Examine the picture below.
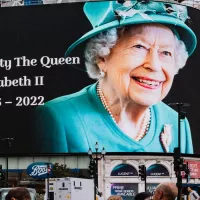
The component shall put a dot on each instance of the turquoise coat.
(74, 123)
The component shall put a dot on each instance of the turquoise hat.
(109, 14)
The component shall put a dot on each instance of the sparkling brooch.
(166, 137)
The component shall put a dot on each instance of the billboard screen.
(71, 78)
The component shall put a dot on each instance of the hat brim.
(185, 33)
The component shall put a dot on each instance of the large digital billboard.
(74, 74)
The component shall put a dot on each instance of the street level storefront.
(31, 171)
(117, 174)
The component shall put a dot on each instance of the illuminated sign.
(194, 167)
(124, 170)
(40, 170)
(48, 100)
(126, 190)
(157, 170)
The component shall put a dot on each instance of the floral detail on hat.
(127, 10)
(131, 8)
(131, 13)
(166, 137)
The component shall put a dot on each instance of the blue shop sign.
(157, 170)
(40, 170)
(124, 170)
(126, 190)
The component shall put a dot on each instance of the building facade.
(117, 174)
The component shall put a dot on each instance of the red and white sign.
(194, 167)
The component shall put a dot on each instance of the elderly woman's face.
(141, 66)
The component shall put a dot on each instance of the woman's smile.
(148, 83)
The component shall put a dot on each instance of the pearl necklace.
(145, 123)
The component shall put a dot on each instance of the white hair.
(100, 46)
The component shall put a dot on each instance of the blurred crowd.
(164, 191)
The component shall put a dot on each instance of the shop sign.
(157, 170)
(40, 170)
(124, 170)
(126, 190)
(194, 167)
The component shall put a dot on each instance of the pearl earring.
(102, 74)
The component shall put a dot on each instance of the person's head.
(19, 193)
(189, 189)
(115, 197)
(166, 191)
(140, 63)
(143, 196)
(139, 47)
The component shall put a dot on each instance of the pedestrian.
(19, 193)
(193, 195)
(166, 191)
(114, 197)
(143, 196)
